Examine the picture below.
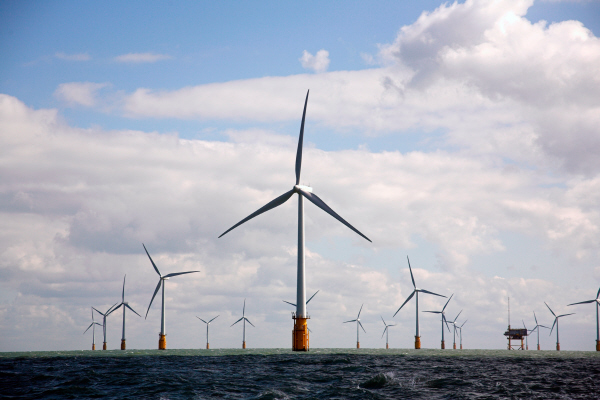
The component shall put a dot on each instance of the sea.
(317, 374)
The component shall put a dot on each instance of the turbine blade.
(385, 329)
(411, 274)
(123, 295)
(201, 319)
(457, 316)
(112, 309)
(447, 302)
(550, 309)
(249, 322)
(383, 320)
(99, 312)
(359, 311)
(598, 295)
(524, 324)
(236, 321)
(300, 143)
(311, 297)
(213, 319)
(179, 273)
(116, 308)
(153, 296)
(555, 319)
(582, 302)
(290, 303)
(244, 309)
(345, 322)
(405, 301)
(536, 322)
(463, 324)
(154, 265)
(269, 206)
(92, 324)
(564, 315)
(361, 327)
(127, 305)
(433, 312)
(427, 291)
(316, 200)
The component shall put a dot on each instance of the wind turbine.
(300, 336)
(556, 323)
(243, 319)
(93, 326)
(453, 322)
(125, 305)
(537, 326)
(526, 336)
(386, 332)
(207, 324)
(104, 315)
(357, 320)
(597, 301)
(415, 291)
(162, 341)
(443, 320)
(460, 332)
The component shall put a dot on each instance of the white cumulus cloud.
(79, 93)
(141, 58)
(318, 63)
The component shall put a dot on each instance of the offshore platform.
(515, 334)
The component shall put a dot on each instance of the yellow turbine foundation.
(557, 346)
(417, 342)
(122, 344)
(461, 346)
(454, 346)
(387, 346)
(207, 346)
(538, 346)
(443, 345)
(358, 345)
(244, 344)
(300, 334)
(94, 346)
(162, 342)
(103, 345)
(597, 345)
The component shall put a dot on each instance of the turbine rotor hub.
(305, 188)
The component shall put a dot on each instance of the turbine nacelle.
(298, 188)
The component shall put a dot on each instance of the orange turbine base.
(300, 335)
(417, 342)
(103, 345)
(597, 345)
(122, 344)
(244, 344)
(94, 346)
(162, 342)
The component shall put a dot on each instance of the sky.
(462, 135)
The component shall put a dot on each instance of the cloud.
(317, 63)
(141, 57)
(76, 204)
(73, 57)
(79, 93)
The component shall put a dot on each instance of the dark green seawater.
(319, 374)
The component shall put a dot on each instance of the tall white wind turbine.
(93, 326)
(556, 323)
(537, 327)
(443, 320)
(460, 331)
(415, 291)
(125, 305)
(453, 322)
(386, 332)
(207, 324)
(357, 320)
(597, 301)
(244, 319)
(104, 315)
(162, 336)
(300, 336)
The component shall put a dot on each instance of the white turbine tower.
(357, 320)
(93, 326)
(597, 301)
(415, 291)
(243, 319)
(125, 305)
(443, 320)
(526, 336)
(537, 327)
(556, 323)
(300, 336)
(386, 332)
(460, 332)
(162, 341)
(207, 324)
(104, 315)
(453, 322)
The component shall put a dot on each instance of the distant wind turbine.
(357, 320)
(207, 324)
(125, 305)
(460, 332)
(104, 315)
(526, 336)
(537, 327)
(93, 326)
(443, 320)
(243, 319)
(415, 291)
(453, 322)
(162, 341)
(386, 332)
(556, 323)
(597, 301)
(300, 337)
